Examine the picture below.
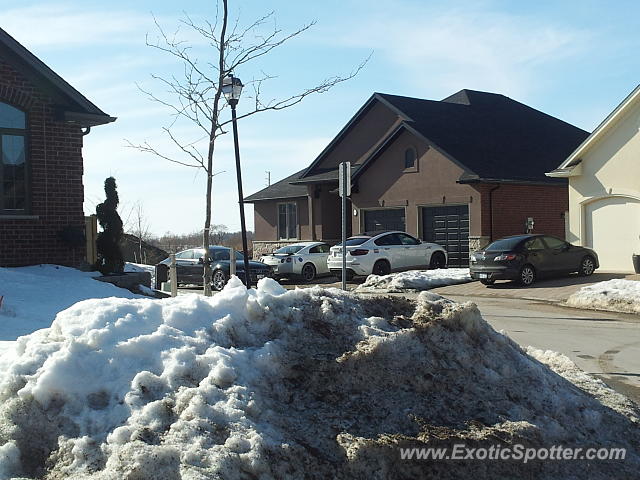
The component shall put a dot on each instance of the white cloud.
(56, 25)
(449, 49)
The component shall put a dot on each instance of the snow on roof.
(307, 383)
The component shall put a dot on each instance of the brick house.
(43, 121)
(460, 172)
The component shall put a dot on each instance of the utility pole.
(268, 178)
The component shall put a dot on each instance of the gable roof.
(76, 107)
(567, 167)
(491, 136)
(280, 190)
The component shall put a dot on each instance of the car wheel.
(308, 272)
(218, 280)
(437, 261)
(527, 275)
(587, 266)
(486, 281)
(381, 267)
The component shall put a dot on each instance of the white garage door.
(613, 231)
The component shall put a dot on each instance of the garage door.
(613, 230)
(449, 227)
(384, 219)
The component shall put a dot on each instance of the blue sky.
(572, 59)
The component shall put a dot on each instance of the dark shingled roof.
(321, 175)
(76, 108)
(281, 189)
(492, 136)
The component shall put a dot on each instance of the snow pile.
(415, 280)
(274, 384)
(617, 295)
(34, 295)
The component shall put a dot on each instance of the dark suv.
(190, 269)
(526, 257)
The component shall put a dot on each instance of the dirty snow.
(415, 280)
(616, 295)
(275, 384)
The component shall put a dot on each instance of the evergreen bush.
(110, 258)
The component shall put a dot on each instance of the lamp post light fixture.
(231, 89)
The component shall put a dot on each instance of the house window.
(410, 157)
(287, 221)
(13, 161)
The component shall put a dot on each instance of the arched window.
(410, 157)
(13, 161)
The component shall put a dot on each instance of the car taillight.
(359, 251)
(505, 256)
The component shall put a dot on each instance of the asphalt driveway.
(548, 290)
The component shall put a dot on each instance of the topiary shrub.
(108, 242)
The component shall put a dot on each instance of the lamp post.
(231, 89)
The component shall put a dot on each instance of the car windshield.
(505, 244)
(356, 241)
(218, 254)
(288, 250)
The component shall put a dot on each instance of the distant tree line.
(219, 235)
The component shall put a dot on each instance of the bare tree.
(194, 95)
(218, 234)
(141, 228)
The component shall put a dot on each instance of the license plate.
(483, 275)
(260, 277)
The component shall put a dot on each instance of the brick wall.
(54, 155)
(512, 204)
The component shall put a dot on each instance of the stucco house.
(43, 121)
(604, 187)
(460, 172)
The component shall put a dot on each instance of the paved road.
(604, 344)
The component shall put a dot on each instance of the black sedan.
(527, 257)
(190, 268)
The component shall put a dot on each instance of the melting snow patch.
(616, 295)
(415, 280)
(34, 295)
(273, 384)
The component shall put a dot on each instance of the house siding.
(56, 195)
(266, 224)
(609, 183)
(363, 137)
(432, 183)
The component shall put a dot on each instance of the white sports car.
(304, 259)
(385, 253)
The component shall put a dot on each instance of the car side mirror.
(201, 260)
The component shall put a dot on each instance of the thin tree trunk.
(212, 137)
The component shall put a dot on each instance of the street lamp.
(231, 88)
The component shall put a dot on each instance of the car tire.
(527, 275)
(438, 260)
(587, 266)
(381, 267)
(308, 272)
(486, 281)
(218, 280)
